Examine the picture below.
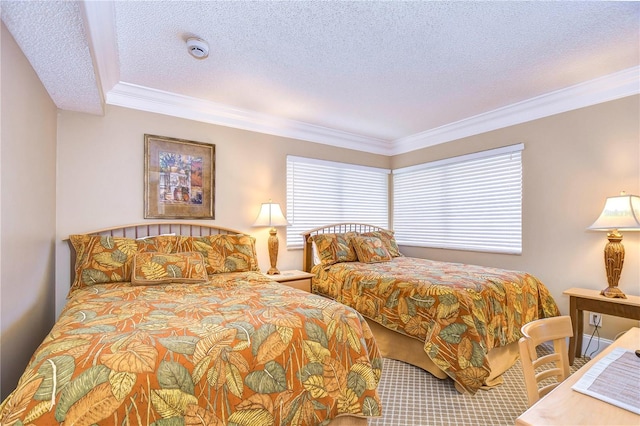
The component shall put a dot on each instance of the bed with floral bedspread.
(460, 312)
(233, 348)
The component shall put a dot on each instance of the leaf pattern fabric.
(164, 268)
(160, 244)
(223, 253)
(461, 312)
(102, 259)
(335, 248)
(107, 259)
(240, 349)
(370, 249)
(388, 239)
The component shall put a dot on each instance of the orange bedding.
(459, 311)
(240, 349)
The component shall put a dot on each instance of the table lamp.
(271, 215)
(621, 213)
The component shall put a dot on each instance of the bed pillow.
(163, 268)
(224, 252)
(388, 239)
(370, 249)
(335, 248)
(102, 259)
(161, 243)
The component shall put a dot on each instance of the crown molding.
(610, 87)
(607, 88)
(161, 102)
(99, 21)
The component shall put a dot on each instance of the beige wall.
(100, 175)
(571, 163)
(27, 212)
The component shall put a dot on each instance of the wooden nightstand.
(296, 279)
(581, 299)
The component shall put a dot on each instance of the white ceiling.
(385, 77)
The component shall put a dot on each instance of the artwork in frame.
(179, 178)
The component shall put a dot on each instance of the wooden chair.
(552, 366)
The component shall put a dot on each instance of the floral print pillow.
(102, 259)
(334, 248)
(388, 240)
(164, 268)
(224, 252)
(159, 243)
(370, 249)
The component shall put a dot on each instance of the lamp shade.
(270, 215)
(621, 212)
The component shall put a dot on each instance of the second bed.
(453, 320)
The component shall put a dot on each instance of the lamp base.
(613, 292)
(613, 260)
(273, 252)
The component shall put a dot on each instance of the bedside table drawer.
(304, 284)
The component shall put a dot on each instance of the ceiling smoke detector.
(198, 48)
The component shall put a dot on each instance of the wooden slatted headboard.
(150, 229)
(336, 228)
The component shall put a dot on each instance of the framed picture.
(179, 178)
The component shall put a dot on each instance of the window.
(472, 202)
(323, 192)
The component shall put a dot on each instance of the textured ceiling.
(52, 36)
(381, 71)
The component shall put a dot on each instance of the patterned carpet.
(413, 397)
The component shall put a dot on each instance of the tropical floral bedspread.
(461, 312)
(241, 350)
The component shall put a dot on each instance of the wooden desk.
(564, 406)
(581, 299)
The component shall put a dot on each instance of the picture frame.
(179, 178)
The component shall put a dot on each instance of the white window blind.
(323, 192)
(472, 202)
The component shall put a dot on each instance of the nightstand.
(582, 299)
(296, 279)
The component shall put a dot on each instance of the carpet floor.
(412, 397)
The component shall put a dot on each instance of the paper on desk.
(614, 379)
